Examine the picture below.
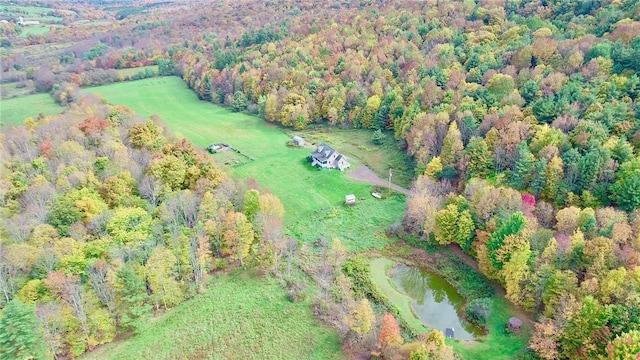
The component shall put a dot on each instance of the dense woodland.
(522, 118)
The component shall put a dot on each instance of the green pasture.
(358, 144)
(19, 10)
(498, 344)
(238, 317)
(11, 90)
(32, 13)
(34, 30)
(13, 111)
(313, 198)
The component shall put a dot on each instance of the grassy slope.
(237, 318)
(14, 111)
(313, 198)
(497, 345)
(34, 30)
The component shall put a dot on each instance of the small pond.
(435, 301)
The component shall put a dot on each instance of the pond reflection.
(434, 300)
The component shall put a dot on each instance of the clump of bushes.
(479, 310)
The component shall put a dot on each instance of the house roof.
(323, 152)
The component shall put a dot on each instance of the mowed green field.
(313, 198)
(14, 111)
(238, 317)
(34, 30)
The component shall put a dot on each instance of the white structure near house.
(328, 158)
(21, 22)
(350, 199)
(298, 141)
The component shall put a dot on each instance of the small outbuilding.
(298, 141)
(449, 333)
(515, 325)
(350, 199)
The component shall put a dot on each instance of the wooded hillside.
(106, 218)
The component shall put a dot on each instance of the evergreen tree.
(626, 190)
(239, 101)
(522, 172)
(20, 336)
(133, 297)
(589, 167)
(538, 176)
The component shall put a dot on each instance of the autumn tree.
(158, 272)
(361, 318)
(452, 146)
(389, 332)
(453, 226)
(480, 160)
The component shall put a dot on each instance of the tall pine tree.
(521, 175)
(20, 336)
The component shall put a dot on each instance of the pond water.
(435, 301)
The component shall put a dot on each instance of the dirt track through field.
(363, 173)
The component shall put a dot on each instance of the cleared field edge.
(378, 272)
(218, 315)
(13, 111)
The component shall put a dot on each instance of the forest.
(521, 117)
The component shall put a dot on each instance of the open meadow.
(313, 198)
(13, 111)
(238, 317)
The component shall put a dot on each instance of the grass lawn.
(24, 10)
(34, 30)
(13, 111)
(498, 344)
(358, 144)
(29, 13)
(313, 198)
(237, 318)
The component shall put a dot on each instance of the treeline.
(107, 219)
(473, 90)
(576, 268)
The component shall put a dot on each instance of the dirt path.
(363, 173)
